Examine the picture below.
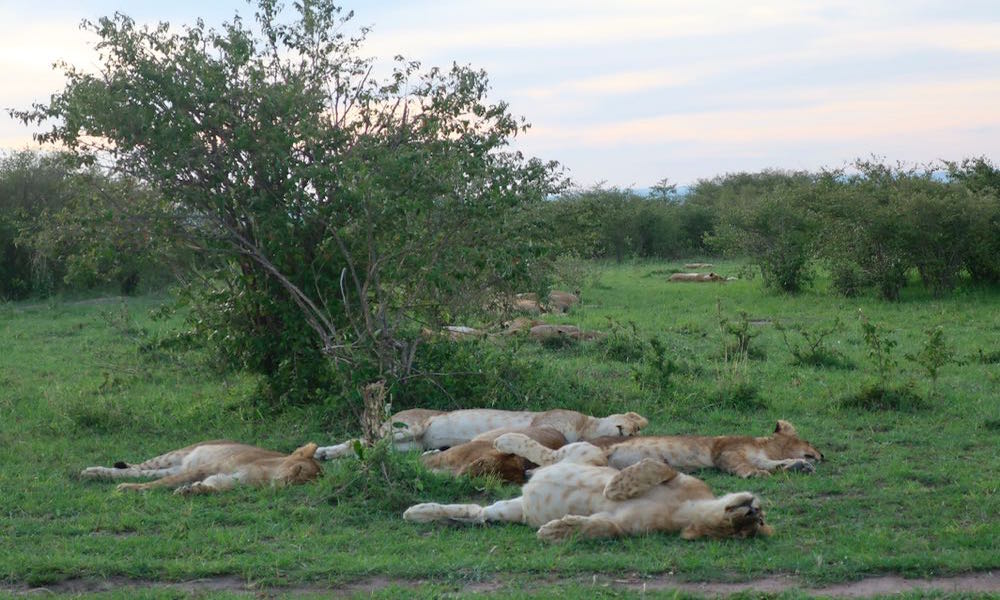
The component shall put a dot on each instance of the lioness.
(741, 455)
(580, 496)
(215, 466)
(423, 429)
(560, 301)
(479, 457)
(697, 277)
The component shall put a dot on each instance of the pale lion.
(741, 455)
(575, 494)
(423, 429)
(215, 466)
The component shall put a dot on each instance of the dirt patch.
(872, 586)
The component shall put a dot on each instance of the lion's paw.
(560, 530)
(423, 513)
(801, 465)
(511, 443)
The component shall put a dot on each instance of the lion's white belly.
(460, 426)
(566, 489)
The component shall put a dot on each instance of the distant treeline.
(868, 225)
(62, 227)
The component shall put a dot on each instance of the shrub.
(934, 354)
(811, 347)
(388, 482)
(876, 397)
(657, 369)
(622, 343)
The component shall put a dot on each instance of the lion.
(479, 457)
(215, 466)
(560, 301)
(696, 277)
(424, 429)
(575, 494)
(740, 455)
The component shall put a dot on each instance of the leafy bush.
(468, 374)
(622, 343)
(772, 224)
(388, 482)
(811, 348)
(934, 354)
(737, 337)
(884, 394)
(657, 370)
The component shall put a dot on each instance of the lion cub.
(741, 455)
(577, 495)
(215, 466)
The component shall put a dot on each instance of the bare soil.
(985, 582)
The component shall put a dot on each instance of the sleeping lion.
(740, 455)
(577, 495)
(423, 429)
(214, 466)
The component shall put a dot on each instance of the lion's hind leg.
(636, 479)
(125, 472)
(593, 526)
(525, 447)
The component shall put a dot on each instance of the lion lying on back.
(741, 455)
(423, 429)
(215, 466)
(576, 494)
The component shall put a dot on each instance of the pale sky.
(632, 91)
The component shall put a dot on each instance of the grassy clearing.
(911, 491)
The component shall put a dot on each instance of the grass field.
(911, 491)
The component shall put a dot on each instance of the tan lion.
(215, 466)
(576, 495)
(423, 429)
(741, 455)
(479, 457)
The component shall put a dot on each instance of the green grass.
(913, 492)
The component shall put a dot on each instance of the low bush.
(875, 397)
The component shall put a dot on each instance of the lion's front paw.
(742, 503)
(324, 453)
(746, 516)
(121, 487)
(189, 489)
(801, 465)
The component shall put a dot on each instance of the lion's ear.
(307, 451)
(784, 428)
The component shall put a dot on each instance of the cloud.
(859, 114)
